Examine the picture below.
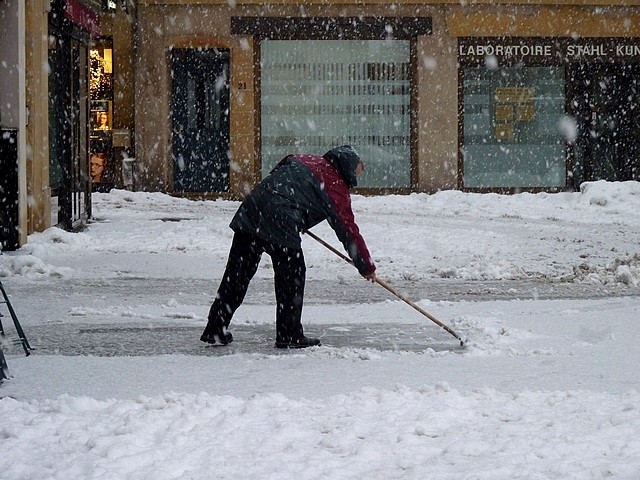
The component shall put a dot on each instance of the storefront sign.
(628, 50)
(609, 49)
(586, 50)
(506, 50)
(546, 50)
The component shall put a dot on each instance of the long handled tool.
(389, 288)
(21, 335)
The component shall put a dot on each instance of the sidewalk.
(139, 340)
(143, 317)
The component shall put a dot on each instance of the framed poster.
(97, 166)
(101, 115)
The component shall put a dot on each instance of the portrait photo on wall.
(101, 115)
(97, 166)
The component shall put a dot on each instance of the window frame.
(477, 61)
(339, 28)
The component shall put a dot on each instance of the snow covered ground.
(544, 287)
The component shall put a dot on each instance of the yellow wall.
(565, 21)
(142, 95)
(166, 23)
(37, 93)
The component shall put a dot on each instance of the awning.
(82, 16)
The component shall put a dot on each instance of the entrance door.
(68, 133)
(606, 106)
(200, 120)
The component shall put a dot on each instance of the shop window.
(512, 113)
(511, 127)
(316, 94)
(101, 168)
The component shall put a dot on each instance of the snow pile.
(581, 236)
(615, 197)
(626, 271)
(32, 259)
(29, 266)
(432, 432)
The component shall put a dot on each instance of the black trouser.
(289, 277)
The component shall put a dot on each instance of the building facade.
(43, 107)
(486, 96)
(46, 127)
(202, 98)
(13, 121)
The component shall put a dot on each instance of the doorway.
(605, 101)
(68, 133)
(200, 120)
(102, 167)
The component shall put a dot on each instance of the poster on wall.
(97, 166)
(101, 115)
(100, 154)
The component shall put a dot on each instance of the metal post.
(16, 322)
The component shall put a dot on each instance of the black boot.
(216, 336)
(300, 342)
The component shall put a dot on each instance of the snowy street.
(544, 287)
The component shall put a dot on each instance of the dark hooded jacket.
(299, 193)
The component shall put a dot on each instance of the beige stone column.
(37, 96)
